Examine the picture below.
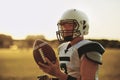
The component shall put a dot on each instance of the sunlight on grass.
(19, 64)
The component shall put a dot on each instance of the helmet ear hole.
(84, 27)
(84, 22)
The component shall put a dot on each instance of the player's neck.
(76, 40)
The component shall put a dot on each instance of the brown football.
(42, 49)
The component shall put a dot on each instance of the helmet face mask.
(78, 19)
(61, 32)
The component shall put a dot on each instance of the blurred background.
(24, 21)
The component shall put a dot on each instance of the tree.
(5, 41)
(31, 38)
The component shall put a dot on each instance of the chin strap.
(68, 38)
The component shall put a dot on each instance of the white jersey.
(70, 58)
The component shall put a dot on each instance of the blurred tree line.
(7, 41)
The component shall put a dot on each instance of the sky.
(20, 18)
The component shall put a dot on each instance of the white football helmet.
(81, 24)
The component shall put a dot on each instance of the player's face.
(68, 29)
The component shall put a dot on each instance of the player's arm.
(54, 70)
(89, 65)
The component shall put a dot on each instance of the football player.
(79, 58)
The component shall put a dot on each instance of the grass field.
(20, 65)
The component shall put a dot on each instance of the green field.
(19, 65)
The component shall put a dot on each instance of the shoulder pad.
(94, 56)
(92, 46)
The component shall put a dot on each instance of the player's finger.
(42, 65)
(48, 61)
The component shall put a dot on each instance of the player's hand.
(51, 68)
